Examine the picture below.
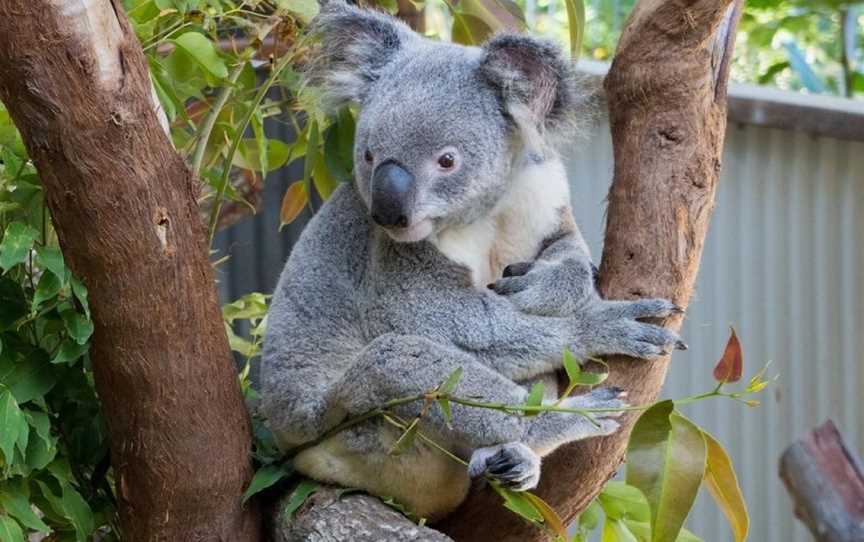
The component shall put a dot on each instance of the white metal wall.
(784, 264)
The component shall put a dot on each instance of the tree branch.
(666, 92)
(826, 482)
(75, 81)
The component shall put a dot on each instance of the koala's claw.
(514, 465)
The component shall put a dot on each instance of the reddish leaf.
(293, 202)
(731, 365)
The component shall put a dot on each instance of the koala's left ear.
(535, 81)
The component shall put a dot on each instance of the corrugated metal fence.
(784, 264)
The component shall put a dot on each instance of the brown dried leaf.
(293, 202)
(731, 365)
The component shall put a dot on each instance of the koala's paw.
(602, 423)
(611, 327)
(547, 288)
(514, 465)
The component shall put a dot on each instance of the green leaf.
(77, 325)
(16, 244)
(446, 410)
(723, 486)
(577, 376)
(27, 380)
(517, 503)
(17, 504)
(302, 492)
(535, 398)
(42, 447)
(48, 288)
(571, 367)
(449, 385)
(71, 506)
(304, 9)
(80, 293)
(248, 307)
(51, 258)
(10, 531)
(406, 440)
(200, 48)
(622, 501)
(590, 518)
(617, 531)
(70, 351)
(666, 459)
(11, 420)
(249, 155)
(265, 477)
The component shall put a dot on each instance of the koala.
(454, 247)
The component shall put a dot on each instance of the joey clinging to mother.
(399, 280)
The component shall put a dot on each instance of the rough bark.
(666, 94)
(826, 482)
(75, 82)
(328, 517)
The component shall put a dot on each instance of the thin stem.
(210, 121)
(223, 182)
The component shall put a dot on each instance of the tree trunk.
(826, 482)
(75, 81)
(666, 93)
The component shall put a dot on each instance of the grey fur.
(358, 318)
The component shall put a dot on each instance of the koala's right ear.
(355, 44)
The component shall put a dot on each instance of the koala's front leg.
(558, 283)
(394, 366)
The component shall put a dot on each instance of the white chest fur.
(513, 232)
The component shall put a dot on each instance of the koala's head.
(440, 125)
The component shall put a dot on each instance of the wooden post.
(826, 482)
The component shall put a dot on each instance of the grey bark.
(826, 482)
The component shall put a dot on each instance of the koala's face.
(440, 124)
(432, 144)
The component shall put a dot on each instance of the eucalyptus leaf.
(302, 492)
(666, 459)
(265, 477)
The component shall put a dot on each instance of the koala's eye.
(368, 156)
(446, 160)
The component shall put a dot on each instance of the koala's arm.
(520, 346)
(394, 366)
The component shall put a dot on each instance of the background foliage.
(220, 69)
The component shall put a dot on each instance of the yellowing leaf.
(293, 202)
(550, 517)
(575, 25)
(723, 486)
(666, 459)
(731, 365)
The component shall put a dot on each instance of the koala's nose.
(392, 188)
